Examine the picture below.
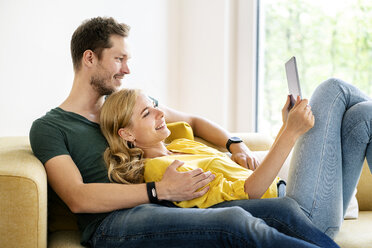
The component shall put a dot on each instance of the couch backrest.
(364, 192)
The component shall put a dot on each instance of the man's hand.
(183, 186)
(241, 155)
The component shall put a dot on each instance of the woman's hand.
(300, 118)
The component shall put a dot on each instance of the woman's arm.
(285, 113)
(300, 120)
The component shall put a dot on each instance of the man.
(69, 143)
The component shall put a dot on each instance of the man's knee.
(292, 211)
(236, 218)
(288, 204)
(332, 231)
(231, 215)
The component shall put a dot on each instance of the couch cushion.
(364, 194)
(64, 239)
(60, 217)
(356, 233)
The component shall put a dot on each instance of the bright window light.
(329, 39)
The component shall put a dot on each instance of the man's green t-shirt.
(65, 133)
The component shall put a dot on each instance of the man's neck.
(83, 100)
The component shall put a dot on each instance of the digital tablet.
(293, 81)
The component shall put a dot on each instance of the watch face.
(235, 139)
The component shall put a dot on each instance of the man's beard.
(99, 84)
(100, 81)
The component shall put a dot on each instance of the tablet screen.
(292, 79)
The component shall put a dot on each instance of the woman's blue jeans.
(327, 161)
(325, 168)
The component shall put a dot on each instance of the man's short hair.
(94, 34)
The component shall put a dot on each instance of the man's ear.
(126, 134)
(89, 58)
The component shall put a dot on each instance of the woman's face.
(147, 123)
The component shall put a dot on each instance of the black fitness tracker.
(151, 192)
(232, 140)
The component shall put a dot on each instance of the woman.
(327, 160)
(136, 130)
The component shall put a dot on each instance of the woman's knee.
(333, 83)
(357, 121)
(327, 92)
(360, 112)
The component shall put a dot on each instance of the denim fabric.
(327, 161)
(278, 223)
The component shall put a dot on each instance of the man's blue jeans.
(275, 222)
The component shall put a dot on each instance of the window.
(329, 38)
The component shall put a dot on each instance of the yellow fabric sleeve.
(179, 130)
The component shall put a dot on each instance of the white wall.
(35, 63)
(193, 55)
(216, 61)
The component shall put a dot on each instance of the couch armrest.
(23, 195)
(254, 141)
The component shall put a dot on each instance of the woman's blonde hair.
(124, 162)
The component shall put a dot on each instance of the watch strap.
(231, 141)
(151, 192)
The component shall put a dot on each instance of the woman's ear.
(126, 134)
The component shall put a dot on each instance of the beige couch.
(23, 202)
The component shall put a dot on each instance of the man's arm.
(65, 179)
(214, 134)
(201, 127)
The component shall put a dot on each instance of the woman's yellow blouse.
(230, 177)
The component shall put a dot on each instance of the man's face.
(112, 67)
